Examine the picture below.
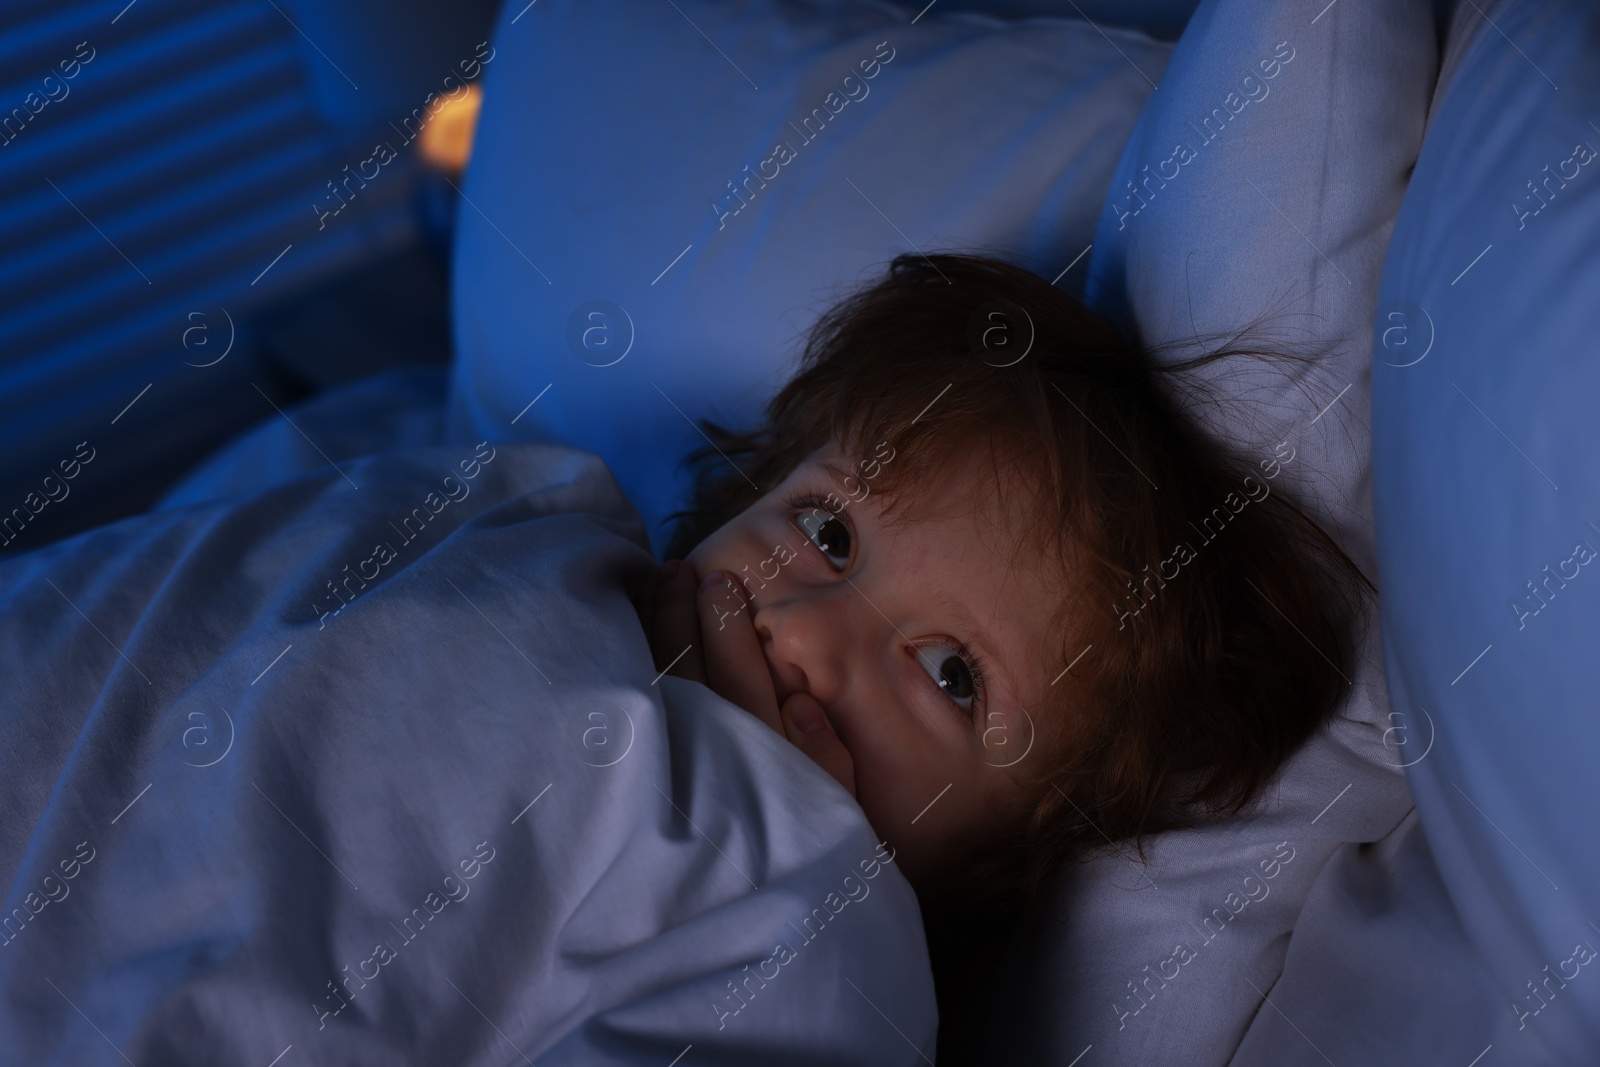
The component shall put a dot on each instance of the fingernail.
(715, 582)
(807, 716)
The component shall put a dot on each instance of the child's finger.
(807, 728)
(645, 605)
(736, 669)
(675, 636)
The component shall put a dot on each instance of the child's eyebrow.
(978, 637)
(836, 469)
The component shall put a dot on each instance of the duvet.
(374, 767)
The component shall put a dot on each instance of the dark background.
(139, 209)
(164, 205)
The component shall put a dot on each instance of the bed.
(594, 318)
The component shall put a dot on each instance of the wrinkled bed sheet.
(374, 767)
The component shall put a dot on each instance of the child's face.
(869, 617)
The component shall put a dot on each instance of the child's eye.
(956, 671)
(828, 532)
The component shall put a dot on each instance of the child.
(992, 579)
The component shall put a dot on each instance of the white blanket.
(374, 767)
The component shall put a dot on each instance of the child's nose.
(808, 643)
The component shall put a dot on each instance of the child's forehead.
(983, 490)
(953, 503)
(970, 553)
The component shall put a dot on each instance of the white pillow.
(1484, 442)
(1287, 207)
(601, 182)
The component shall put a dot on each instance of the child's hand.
(706, 635)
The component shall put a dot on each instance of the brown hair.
(1199, 684)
